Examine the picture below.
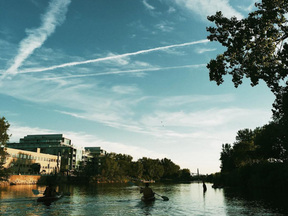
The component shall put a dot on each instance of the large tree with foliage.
(257, 48)
(256, 45)
(4, 138)
(171, 170)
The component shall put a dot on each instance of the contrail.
(54, 16)
(125, 71)
(111, 57)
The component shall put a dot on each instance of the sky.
(128, 76)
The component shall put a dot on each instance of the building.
(28, 162)
(53, 144)
(72, 157)
(93, 156)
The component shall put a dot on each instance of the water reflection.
(146, 207)
(255, 202)
(120, 199)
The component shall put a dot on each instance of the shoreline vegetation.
(74, 180)
(109, 168)
(255, 49)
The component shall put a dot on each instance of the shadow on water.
(274, 201)
(146, 207)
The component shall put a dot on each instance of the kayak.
(147, 199)
(49, 199)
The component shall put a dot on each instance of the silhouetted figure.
(204, 187)
(50, 191)
(147, 192)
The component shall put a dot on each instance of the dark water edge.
(271, 200)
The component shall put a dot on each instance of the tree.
(268, 143)
(137, 170)
(185, 175)
(170, 169)
(4, 138)
(152, 169)
(226, 158)
(125, 163)
(4, 127)
(257, 48)
(242, 152)
(110, 167)
(244, 148)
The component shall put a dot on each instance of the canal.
(124, 199)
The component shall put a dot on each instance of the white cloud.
(82, 139)
(165, 26)
(125, 89)
(108, 58)
(118, 61)
(202, 50)
(206, 118)
(133, 72)
(250, 7)
(209, 7)
(184, 100)
(148, 6)
(54, 16)
(171, 10)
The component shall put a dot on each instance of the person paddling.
(147, 192)
(50, 191)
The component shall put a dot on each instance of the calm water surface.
(123, 199)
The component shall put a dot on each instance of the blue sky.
(129, 76)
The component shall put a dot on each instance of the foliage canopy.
(257, 49)
(256, 45)
(4, 138)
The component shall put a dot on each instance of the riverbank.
(45, 179)
(21, 180)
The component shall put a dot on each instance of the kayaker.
(50, 191)
(147, 191)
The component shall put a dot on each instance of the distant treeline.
(118, 167)
(257, 159)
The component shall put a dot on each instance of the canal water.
(124, 199)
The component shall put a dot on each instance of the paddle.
(36, 192)
(163, 197)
